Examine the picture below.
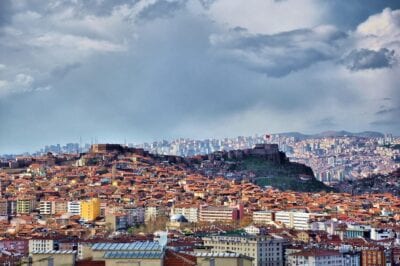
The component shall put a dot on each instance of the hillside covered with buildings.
(113, 204)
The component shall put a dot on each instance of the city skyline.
(194, 68)
(131, 142)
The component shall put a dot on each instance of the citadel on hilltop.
(269, 152)
(266, 151)
(237, 207)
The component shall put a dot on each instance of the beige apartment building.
(264, 249)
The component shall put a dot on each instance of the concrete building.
(190, 213)
(61, 206)
(90, 209)
(316, 257)
(351, 259)
(53, 257)
(252, 230)
(25, 205)
(265, 249)
(373, 257)
(46, 207)
(117, 221)
(222, 259)
(4, 210)
(296, 220)
(151, 213)
(382, 233)
(227, 214)
(263, 217)
(41, 245)
(134, 253)
(74, 207)
(135, 215)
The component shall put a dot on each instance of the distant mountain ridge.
(333, 133)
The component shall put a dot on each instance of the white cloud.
(375, 43)
(60, 41)
(24, 80)
(384, 24)
(45, 88)
(379, 31)
(267, 16)
(3, 83)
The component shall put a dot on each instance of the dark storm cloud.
(369, 59)
(279, 54)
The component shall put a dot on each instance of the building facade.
(265, 249)
(90, 209)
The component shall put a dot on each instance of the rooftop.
(136, 246)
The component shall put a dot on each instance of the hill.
(284, 176)
(263, 165)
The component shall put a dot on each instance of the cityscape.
(200, 133)
(333, 156)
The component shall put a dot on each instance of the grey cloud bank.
(155, 69)
(369, 59)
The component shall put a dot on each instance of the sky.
(145, 70)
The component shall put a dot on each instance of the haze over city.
(163, 69)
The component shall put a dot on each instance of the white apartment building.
(46, 207)
(266, 250)
(151, 213)
(296, 220)
(382, 233)
(316, 257)
(252, 230)
(263, 217)
(74, 207)
(40, 245)
(190, 213)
